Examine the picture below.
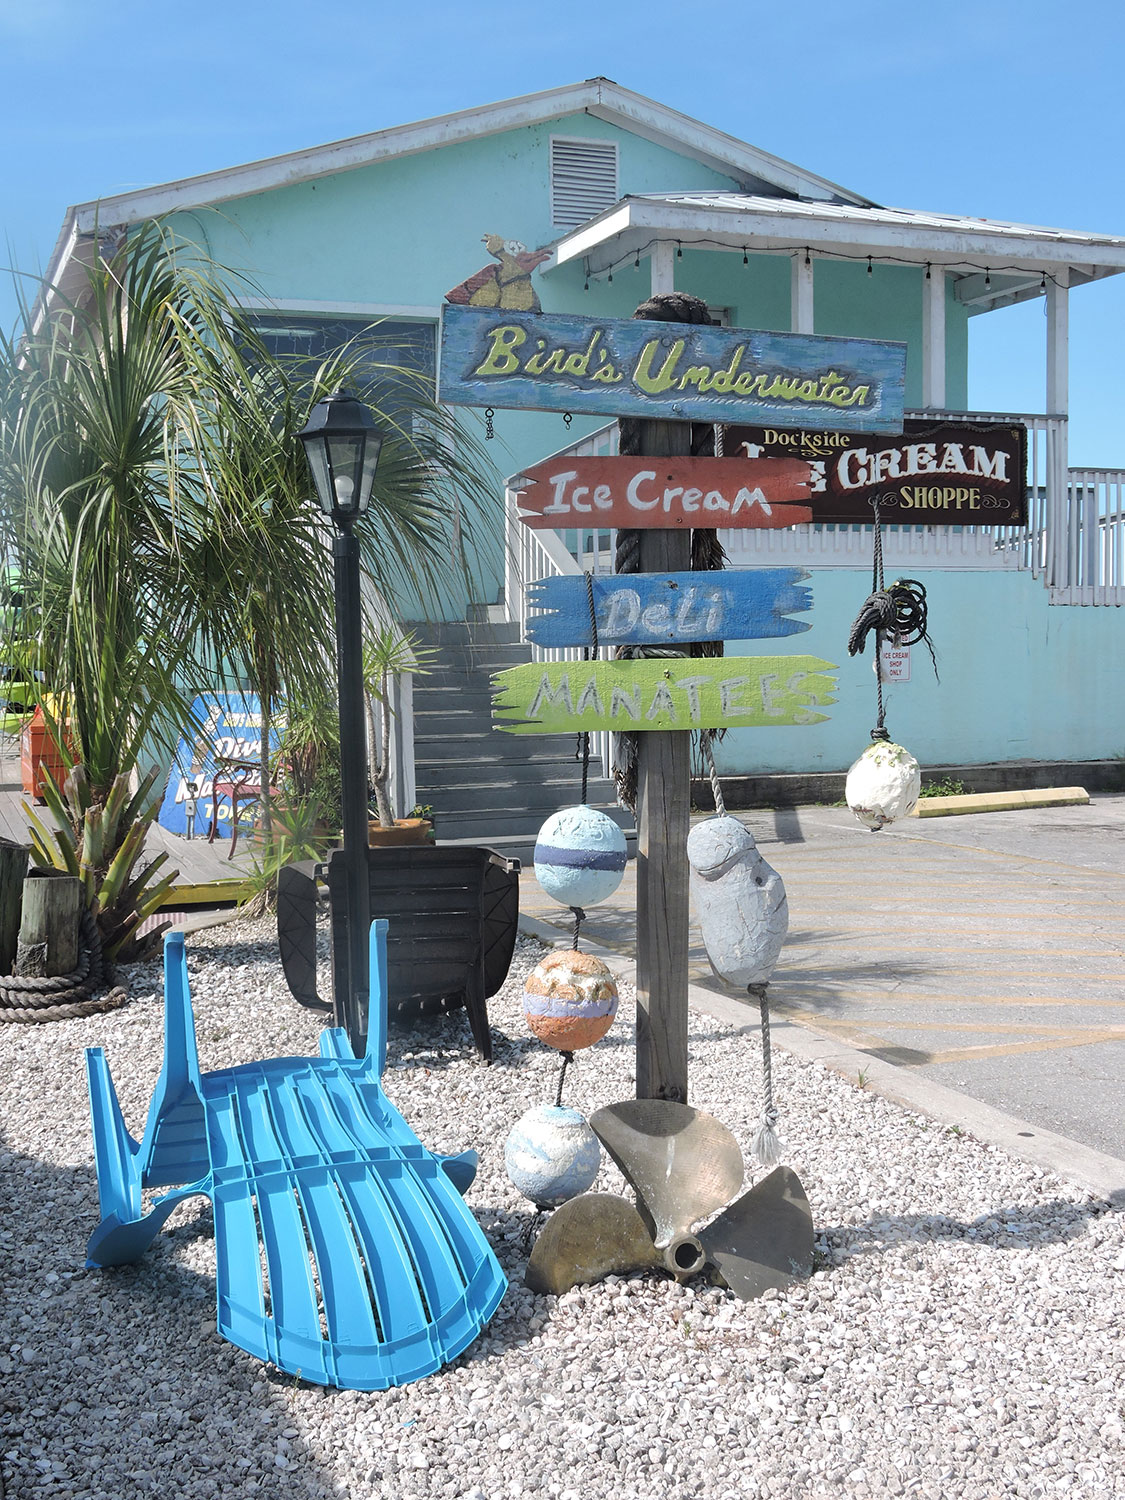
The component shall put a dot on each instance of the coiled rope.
(31, 1000)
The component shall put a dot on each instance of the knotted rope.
(898, 611)
(32, 1000)
(767, 1143)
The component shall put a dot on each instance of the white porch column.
(1058, 383)
(801, 314)
(933, 340)
(662, 263)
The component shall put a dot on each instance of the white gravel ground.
(960, 1337)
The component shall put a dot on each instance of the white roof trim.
(599, 97)
(764, 224)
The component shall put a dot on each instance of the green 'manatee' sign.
(734, 692)
(669, 371)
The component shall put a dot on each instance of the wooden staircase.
(487, 786)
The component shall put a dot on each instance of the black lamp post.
(342, 444)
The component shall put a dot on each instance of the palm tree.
(163, 517)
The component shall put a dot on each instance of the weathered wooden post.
(13, 869)
(48, 936)
(663, 815)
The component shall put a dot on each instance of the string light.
(610, 276)
(700, 244)
(586, 288)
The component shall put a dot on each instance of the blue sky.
(1007, 109)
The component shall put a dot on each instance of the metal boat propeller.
(682, 1164)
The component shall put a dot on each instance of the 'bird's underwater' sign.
(669, 371)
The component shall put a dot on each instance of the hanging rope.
(706, 742)
(898, 612)
(567, 1059)
(767, 1143)
(31, 1000)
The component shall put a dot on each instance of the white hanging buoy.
(883, 784)
(739, 900)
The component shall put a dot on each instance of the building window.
(393, 355)
(583, 179)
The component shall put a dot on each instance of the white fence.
(1074, 538)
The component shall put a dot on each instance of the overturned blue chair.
(344, 1251)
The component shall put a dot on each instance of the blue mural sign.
(223, 725)
(648, 609)
(669, 371)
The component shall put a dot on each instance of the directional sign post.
(667, 374)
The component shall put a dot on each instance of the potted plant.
(389, 654)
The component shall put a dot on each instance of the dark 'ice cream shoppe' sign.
(943, 473)
(668, 371)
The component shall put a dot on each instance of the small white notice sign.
(894, 661)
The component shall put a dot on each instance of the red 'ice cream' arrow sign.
(669, 492)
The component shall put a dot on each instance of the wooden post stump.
(13, 869)
(48, 936)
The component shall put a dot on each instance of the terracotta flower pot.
(405, 831)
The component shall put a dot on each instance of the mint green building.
(624, 196)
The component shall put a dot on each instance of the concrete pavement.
(982, 954)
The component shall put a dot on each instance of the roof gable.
(756, 170)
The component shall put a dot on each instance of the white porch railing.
(1074, 538)
(1092, 559)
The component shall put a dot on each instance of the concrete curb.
(1042, 1148)
(982, 802)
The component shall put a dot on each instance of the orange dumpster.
(39, 756)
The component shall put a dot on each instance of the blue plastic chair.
(344, 1251)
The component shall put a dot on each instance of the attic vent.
(583, 179)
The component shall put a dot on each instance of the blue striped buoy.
(580, 856)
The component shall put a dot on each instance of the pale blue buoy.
(580, 856)
(552, 1155)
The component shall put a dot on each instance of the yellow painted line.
(798, 939)
(868, 1041)
(781, 981)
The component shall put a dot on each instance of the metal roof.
(993, 262)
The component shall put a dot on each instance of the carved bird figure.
(506, 284)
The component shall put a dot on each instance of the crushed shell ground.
(961, 1335)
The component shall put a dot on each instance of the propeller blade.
(763, 1239)
(591, 1237)
(682, 1164)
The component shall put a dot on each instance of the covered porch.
(956, 268)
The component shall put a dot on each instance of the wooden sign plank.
(666, 493)
(668, 371)
(937, 473)
(648, 609)
(662, 693)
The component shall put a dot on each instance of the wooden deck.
(201, 865)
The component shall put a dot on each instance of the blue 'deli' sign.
(649, 609)
(669, 371)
